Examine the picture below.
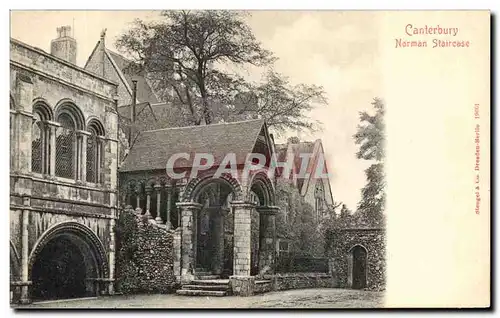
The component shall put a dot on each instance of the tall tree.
(190, 55)
(283, 105)
(371, 140)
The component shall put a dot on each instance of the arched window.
(319, 197)
(40, 139)
(68, 163)
(37, 143)
(66, 147)
(94, 152)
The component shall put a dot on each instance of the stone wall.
(301, 280)
(27, 56)
(373, 240)
(40, 202)
(95, 65)
(145, 261)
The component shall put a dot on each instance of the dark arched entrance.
(68, 263)
(358, 270)
(213, 223)
(211, 228)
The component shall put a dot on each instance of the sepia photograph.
(225, 159)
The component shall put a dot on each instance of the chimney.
(64, 46)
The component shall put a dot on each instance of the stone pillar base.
(186, 278)
(25, 298)
(242, 285)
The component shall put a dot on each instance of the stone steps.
(206, 287)
(219, 287)
(207, 277)
(210, 282)
(200, 292)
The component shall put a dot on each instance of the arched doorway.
(67, 263)
(213, 224)
(357, 267)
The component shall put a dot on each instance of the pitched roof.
(144, 91)
(153, 148)
(124, 110)
(298, 149)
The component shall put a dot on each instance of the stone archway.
(263, 255)
(67, 262)
(204, 218)
(357, 267)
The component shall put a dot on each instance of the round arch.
(357, 261)
(68, 107)
(195, 187)
(66, 262)
(41, 106)
(262, 186)
(357, 246)
(96, 126)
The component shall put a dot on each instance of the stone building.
(359, 257)
(203, 206)
(63, 174)
(88, 142)
(314, 189)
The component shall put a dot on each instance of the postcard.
(258, 159)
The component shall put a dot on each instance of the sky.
(336, 50)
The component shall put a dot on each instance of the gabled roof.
(120, 63)
(144, 90)
(314, 148)
(153, 148)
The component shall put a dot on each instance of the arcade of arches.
(227, 226)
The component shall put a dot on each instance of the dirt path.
(299, 298)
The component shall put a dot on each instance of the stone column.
(111, 289)
(128, 197)
(138, 192)
(169, 190)
(242, 235)
(52, 141)
(24, 124)
(25, 295)
(189, 211)
(82, 174)
(242, 284)
(149, 190)
(103, 177)
(13, 139)
(267, 246)
(158, 188)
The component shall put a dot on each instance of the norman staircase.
(206, 284)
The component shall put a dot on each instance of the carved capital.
(189, 205)
(268, 210)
